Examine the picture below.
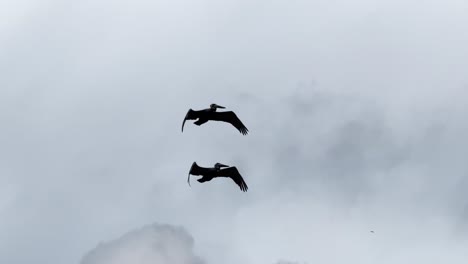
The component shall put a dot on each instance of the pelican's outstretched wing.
(230, 117)
(234, 174)
(198, 171)
(191, 115)
(190, 171)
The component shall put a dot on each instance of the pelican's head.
(219, 166)
(215, 106)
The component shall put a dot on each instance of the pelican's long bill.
(218, 106)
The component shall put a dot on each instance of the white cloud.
(152, 244)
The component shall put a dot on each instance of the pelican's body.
(219, 170)
(210, 114)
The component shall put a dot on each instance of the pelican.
(219, 170)
(208, 114)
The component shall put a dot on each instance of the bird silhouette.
(219, 170)
(210, 114)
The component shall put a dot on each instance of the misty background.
(356, 111)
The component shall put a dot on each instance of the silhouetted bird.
(217, 171)
(210, 114)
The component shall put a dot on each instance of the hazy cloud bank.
(151, 244)
(356, 111)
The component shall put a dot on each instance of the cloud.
(93, 94)
(151, 244)
(346, 166)
(282, 261)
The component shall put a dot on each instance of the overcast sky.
(357, 112)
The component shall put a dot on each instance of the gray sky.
(356, 111)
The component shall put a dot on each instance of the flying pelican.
(208, 114)
(217, 171)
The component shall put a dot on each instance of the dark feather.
(191, 115)
(230, 117)
(234, 174)
(205, 179)
(190, 171)
(200, 171)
